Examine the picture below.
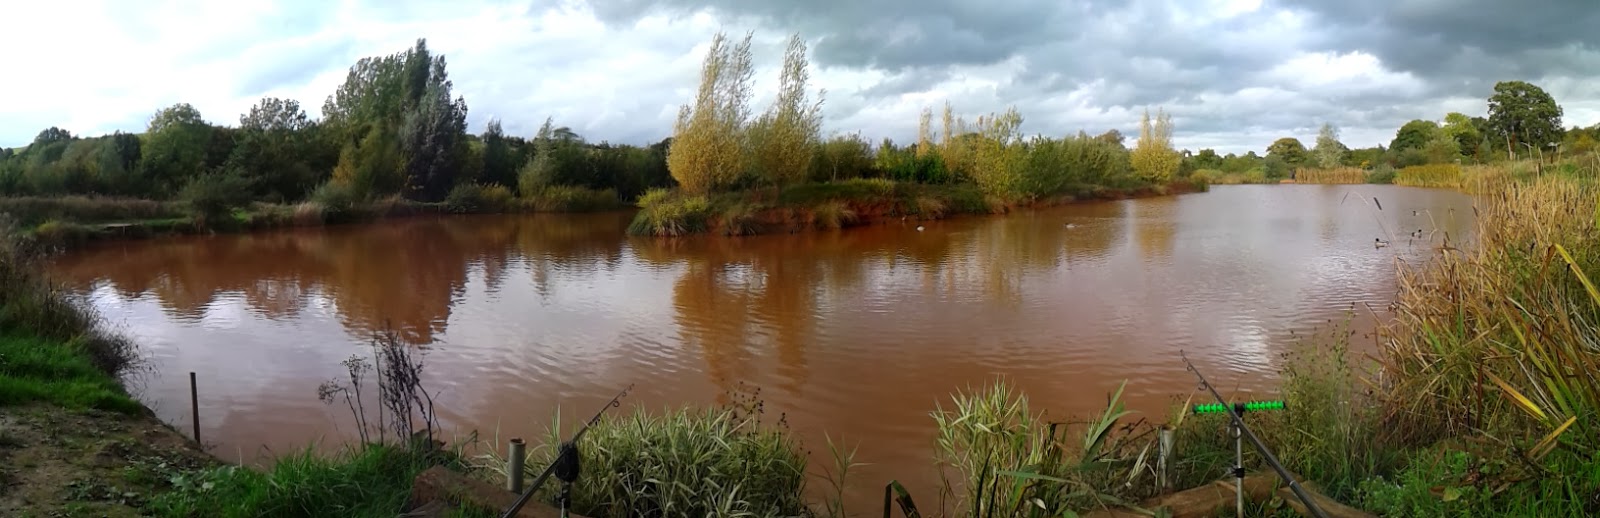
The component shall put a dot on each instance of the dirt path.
(56, 462)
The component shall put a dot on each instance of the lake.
(857, 333)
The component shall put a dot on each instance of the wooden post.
(194, 406)
(514, 466)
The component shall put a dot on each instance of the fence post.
(514, 465)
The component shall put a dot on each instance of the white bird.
(919, 228)
(1072, 225)
(1379, 243)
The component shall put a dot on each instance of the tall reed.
(1338, 175)
(1506, 328)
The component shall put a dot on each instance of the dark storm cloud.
(1464, 43)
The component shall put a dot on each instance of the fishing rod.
(1235, 412)
(565, 465)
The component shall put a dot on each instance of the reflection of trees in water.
(738, 295)
(407, 273)
(711, 314)
(1155, 229)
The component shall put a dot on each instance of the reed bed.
(1431, 175)
(1510, 325)
(1338, 175)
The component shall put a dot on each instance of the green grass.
(39, 370)
(371, 481)
(686, 462)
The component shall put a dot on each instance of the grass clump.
(833, 215)
(665, 213)
(1011, 461)
(686, 462)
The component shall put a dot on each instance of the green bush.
(466, 198)
(335, 201)
(211, 198)
(1383, 174)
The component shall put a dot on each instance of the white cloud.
(1236, 74)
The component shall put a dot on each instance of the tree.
(1112, 136)
(175, 147)
(1441, 149)
(51, 135)
(1207, 159)
(433, 135)
(708, 139)
(1460, 128)
(271, 149)
(1153, 157)
(785, 138)
(499, 160)
(1289, 150)
(274, 114)
(1329, 152)
(119, 162)
(1523, 114)
(1413, 135)
(996, 158)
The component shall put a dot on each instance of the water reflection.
(856, 333)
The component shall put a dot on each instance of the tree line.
(395, 127)
(1523, 121)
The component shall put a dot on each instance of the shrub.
(1383, 174)
(337, 202)
(465, 198)
(212, 197)
(497, 197)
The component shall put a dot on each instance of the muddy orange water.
(856, 333)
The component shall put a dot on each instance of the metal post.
(194, 407)
(1238, 467)
(514, 462)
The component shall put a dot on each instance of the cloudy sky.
(1235, 74)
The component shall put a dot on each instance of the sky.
(1234, 74)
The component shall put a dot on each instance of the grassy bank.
(73, 220)
(835, 205)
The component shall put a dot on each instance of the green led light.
(1251, 406)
